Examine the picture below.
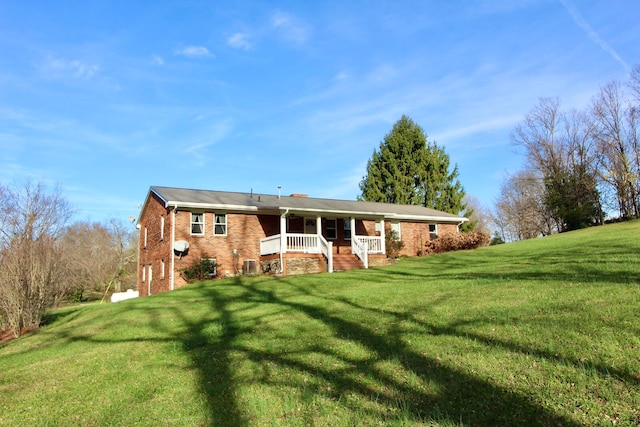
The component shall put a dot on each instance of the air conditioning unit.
(250, 266)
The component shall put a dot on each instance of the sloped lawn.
(542, 332)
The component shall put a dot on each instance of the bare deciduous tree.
(560, 151)
(32, 271)
(480, 215)
(618, 142)
(101, 256)
(520, 212)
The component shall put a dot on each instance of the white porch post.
(382, 238)
(352, 221)
(283, 239)
(319, 225)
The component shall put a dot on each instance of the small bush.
(393, 245)
(457, 241)
(199, 270)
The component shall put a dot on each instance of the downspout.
(283, 237)
(173, 238)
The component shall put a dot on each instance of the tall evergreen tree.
(407, 169)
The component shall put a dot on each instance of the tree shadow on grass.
(462, 398)
(215, 341)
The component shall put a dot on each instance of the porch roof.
(183, 198)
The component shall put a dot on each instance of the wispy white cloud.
(157, 60)
(591, 33)
(75, 68)
(240, 41)
(206, 136)
(290, 27)
(194, 52)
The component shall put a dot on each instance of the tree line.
(582, 166)
(45, 259)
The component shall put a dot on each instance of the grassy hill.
(541, 332)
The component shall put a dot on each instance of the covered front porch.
(303, 233)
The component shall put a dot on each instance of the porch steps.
(346, 262)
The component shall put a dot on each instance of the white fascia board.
(335, 212)
(209, 206)
(439, 219)
(384, 215)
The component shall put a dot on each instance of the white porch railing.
(299, 242)
(373, 244)
(359, 248)
(305, 243)
(270, 245)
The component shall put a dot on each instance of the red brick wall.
(157, 250)
(416, 234)
(244, 232)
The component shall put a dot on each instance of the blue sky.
(106, 98)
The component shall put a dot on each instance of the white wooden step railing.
(359, 248)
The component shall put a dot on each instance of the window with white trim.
(347, 229)
(197, 223)
(220, 224)
(433, 231)
(395, 230)
(144, 244)
(330, 229)
(161, 227)
(144, 274)
(162, 269)
(210, 265)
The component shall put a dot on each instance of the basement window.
(197, 223)
(433, 231)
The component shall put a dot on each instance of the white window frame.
(433, 234)
(161, 227)
(221, 224)
(162, 269)
(192, 223)
(395, 226)
(213, 274)
(144, 273)
(347, 228)
(328, 228)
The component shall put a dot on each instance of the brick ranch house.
(256, 233)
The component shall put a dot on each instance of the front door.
(310, 226)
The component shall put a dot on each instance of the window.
(433, 231)
(197, 223)
(162, 269)
(347, 229)
(395, 231)
(330, 229)
(378, 228)
(220, 225)
(209, 266)
(161, 228)
(145, 238)
(144, 274)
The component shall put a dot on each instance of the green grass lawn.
(541, 332)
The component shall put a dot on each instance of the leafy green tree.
(407, 169)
